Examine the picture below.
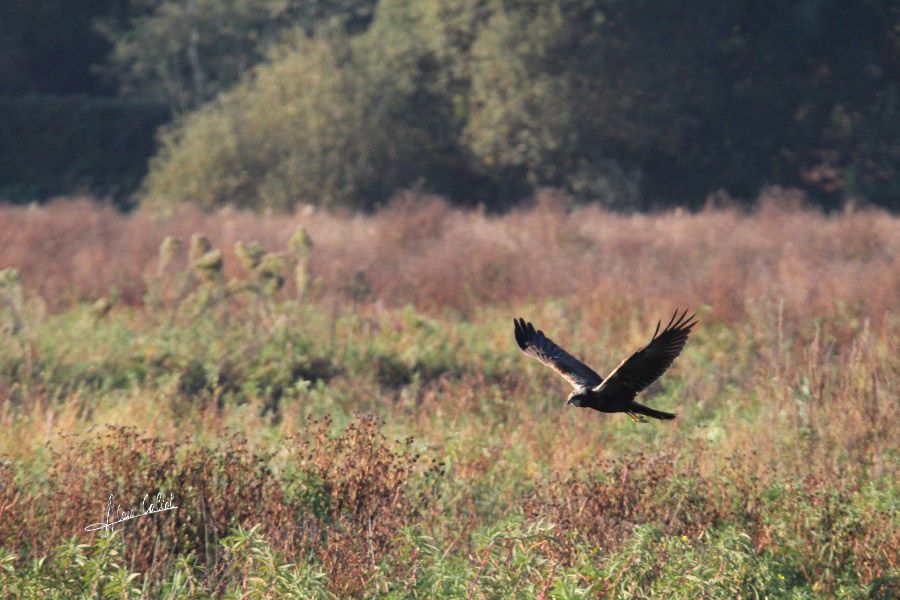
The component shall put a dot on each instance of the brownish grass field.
(361, 402)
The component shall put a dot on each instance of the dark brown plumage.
(633, 375)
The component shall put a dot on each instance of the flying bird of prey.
(617, 392)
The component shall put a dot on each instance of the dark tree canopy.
(636, 104)
(50, 46)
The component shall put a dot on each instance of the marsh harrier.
(617, 392)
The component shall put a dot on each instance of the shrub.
(335, 500)
(322, 123)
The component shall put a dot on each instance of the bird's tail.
(650, 412)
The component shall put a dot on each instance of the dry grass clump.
(602, 502)
(825, 520)
(355, 490)
(215, 489)
(335, 500)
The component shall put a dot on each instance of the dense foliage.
(75, 144)
(51, 46)
(634, 104)
(637, 104)
(184, 52)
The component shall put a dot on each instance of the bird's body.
(617, 392)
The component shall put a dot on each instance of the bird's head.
(577, 398)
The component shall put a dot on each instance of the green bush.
(329, 121)
(72, 570)
(99, 570)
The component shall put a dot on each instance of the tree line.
(636, 104)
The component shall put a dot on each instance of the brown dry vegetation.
(787, 399)
(337, 500)
(436, 257)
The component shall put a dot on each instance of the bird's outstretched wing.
(536, 344)
(646, 365)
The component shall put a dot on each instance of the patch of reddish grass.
(421, 251)
(601, 503)
(341, 506)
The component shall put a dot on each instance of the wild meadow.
(336, 404)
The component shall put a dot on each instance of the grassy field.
(341, 410)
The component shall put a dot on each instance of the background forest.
(269, 103)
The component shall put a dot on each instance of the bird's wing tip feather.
(522, 333)
(682, 321)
